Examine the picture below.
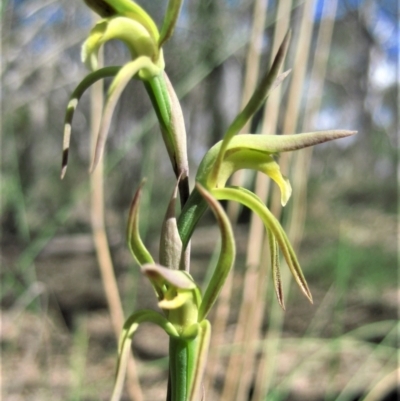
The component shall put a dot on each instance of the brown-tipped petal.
(127, 72)
(275, 267)
(286, 143)
(72, 104)
(86, 82)
(159, 275)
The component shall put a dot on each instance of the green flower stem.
(187, 363)
(191, 213)
(170, 117)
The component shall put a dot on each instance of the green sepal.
(132, 33)
(170, 19)
(86, 82)
(127, 8)
(125, 74)
(275, 268)
(267, 84)
(177, 293)
(253, 202)
(124, 346)
(226, 257)
(135, 243)
(247, 151)
(170, 118)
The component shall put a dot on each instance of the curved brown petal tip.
(64, 163)
(308, 294)
(280, 299)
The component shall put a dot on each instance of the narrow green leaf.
(226, 257)
(135, 243)
(86, 82)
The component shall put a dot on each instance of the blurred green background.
(56, 335)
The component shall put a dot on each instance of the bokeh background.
(56, 334)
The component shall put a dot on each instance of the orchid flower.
(126, 21)
(255, 152)
(184, 308)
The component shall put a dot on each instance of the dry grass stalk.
(299, 180)
(101, 242)
(240, 366)
(250, 82)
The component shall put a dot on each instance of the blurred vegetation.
(350, 234)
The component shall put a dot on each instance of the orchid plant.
(184, 308)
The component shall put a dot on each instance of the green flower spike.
(184, 309)
(147, 62)
(256, 152)
(180, 298)
(196, 206)
(128, 22)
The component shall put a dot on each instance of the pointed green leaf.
(226, 257)
(135, 243)
(89, 80)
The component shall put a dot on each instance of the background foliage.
(48, 267)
